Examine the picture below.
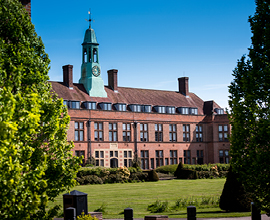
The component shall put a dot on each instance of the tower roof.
(90, 36)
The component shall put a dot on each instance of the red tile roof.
(132, 96)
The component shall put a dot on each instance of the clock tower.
(90, 69)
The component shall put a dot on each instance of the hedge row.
(100, 175)
(205, 171)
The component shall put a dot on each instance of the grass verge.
(139, 196)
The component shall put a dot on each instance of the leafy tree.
(36, 163)
(250, 110)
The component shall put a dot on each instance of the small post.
(128, 214)
(255, 213)
(191, 213)
(70, 213)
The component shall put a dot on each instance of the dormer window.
(120, 107)
(135, 108)
(146, 108)
(74, 104)
(90, 105)
(193, 111)
(170, 110)
(219, 111)
(183, 110)
(105, 106)
(160, 109)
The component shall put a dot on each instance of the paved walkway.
(264, 217)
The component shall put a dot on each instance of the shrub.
(92, 179)
(158, 207)
(167, 169)
(152, 176)
(102, 208)
(138, 176)
(234, 197)
(182, 173)
(86, 217)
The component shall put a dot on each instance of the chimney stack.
(183, 85)
(68, 75)
(112, 79)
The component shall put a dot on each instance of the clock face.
(96, 71)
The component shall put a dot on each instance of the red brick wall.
(210, 144)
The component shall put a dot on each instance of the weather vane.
(89, 20)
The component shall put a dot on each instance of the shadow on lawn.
(210, 212)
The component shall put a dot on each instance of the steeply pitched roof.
(131, 96)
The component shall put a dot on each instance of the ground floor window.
(199, 156)
(152, 163)
(173, 157)
(187, 157)
(159, 158)
(128, 158)
(145, 159)
(99, 157)
(224, 156)
(79, 153)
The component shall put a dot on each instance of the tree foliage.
(234, 197)
(250, 112)
(36, 163)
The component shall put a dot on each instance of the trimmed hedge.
(205, 171)
(100, 175)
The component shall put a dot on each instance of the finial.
(89, 20)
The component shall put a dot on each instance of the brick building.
(113, 123)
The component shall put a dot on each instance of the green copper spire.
(90, 69)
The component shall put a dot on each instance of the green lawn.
(138, 196)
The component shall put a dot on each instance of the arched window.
(95, 55)
(85, 56)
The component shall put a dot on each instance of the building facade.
(113, 124)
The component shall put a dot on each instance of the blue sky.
(151, 43)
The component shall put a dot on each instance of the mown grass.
(116, 197)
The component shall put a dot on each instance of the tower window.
(95, 55)
(84, 56)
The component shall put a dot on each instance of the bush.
(167, 169)
(86, 217)
(138, 176)
(234, 197)
(158, 207)
(182, 173)
(102, 208)
(187, 174)
(152, 176)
